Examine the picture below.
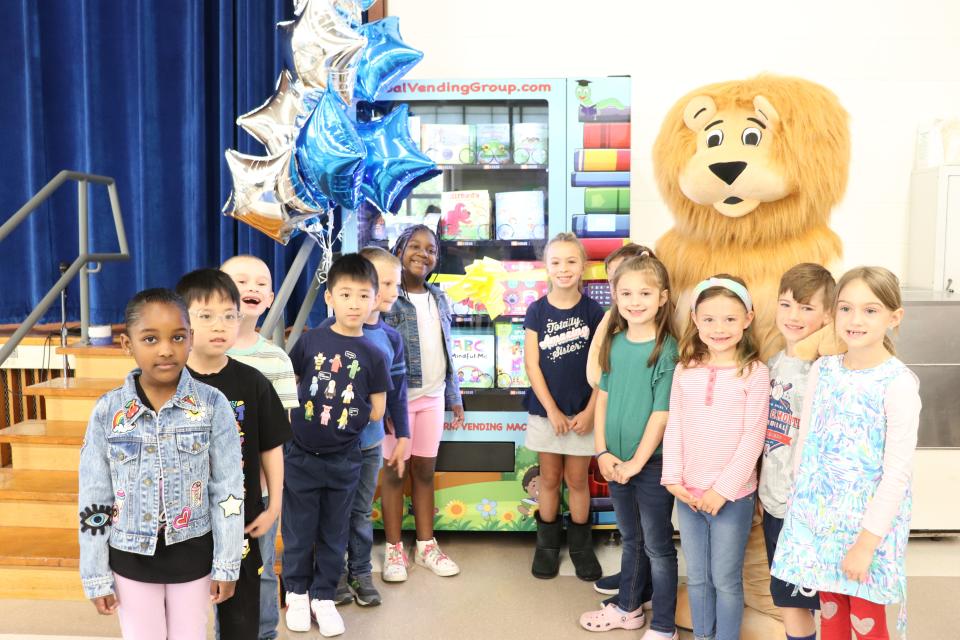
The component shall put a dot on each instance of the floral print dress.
(840, 469)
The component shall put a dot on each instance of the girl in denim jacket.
(161, 485)
(422, 316)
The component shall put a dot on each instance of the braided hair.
(401, 245)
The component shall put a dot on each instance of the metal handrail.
(84, 258)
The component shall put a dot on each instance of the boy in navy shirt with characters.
(342, 382)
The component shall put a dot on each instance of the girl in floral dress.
(848, 520)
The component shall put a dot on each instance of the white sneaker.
(328, 619)
(395, 563)
(298, 612)
(429, 555)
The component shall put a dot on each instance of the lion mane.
(750, 170)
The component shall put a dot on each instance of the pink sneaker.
(610, 617)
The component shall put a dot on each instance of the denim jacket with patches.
(190, 447)
(403, 317)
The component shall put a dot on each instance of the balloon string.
(325, 240)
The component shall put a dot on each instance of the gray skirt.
(542, 438)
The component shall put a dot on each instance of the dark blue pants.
(317, 495)
(643, 509)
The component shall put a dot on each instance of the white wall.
(893, 64)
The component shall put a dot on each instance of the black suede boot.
(546, 559)
(580, 543)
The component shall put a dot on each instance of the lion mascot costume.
(750, 170)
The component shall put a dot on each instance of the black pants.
(239, 617)
(318, 493)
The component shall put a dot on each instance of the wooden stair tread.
(38, 547)
(45, 432)
(38, 485)
(104, 351)
(73, 387)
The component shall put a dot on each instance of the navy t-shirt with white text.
(563, 336)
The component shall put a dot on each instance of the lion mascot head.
(750, 170)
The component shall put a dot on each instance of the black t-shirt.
(337, 376)
(261, 421)
(185, 561)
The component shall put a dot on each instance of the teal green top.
(635, 391)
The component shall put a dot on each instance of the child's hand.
(626, 471)
(582, 423)
(712, 502)
(458, 416)
(262, 523)
(560, 422)
(609, 464)
(680, 493)
(856, 564)
(221, 590)
(396, 459)
(106, 605)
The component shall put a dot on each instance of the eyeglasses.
(208, 318)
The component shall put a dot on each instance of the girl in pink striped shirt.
(714, 437)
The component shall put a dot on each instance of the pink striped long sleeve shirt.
(715, 430)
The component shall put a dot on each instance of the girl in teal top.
(637, 356)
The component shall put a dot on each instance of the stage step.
(42, 444)
(71, 398)
(40, 563)
(99, 362)
(34, 498)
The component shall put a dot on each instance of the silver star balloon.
(274, 123)
(326, 50)
(255, 200)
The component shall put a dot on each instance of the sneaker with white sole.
(343, 595)
(328, 619)
(394, 563)
(298, 612)
(429, 555)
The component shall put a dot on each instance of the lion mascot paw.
(750, 170)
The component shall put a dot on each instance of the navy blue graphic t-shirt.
(337, 376)
(563, 336)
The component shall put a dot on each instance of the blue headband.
(728, 284)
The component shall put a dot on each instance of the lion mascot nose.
(728, 171)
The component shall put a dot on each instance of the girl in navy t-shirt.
(560, 402)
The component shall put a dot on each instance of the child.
(213, 302)
(343, 379)
(252, 277)
(847, 526)
(638, 355)
(714, 436)
(610, 585)
(160, 479)
(805, 293)
(561, 403)
(356, 582)
(422, 316)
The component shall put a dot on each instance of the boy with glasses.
(213, 302)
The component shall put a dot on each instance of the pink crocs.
(610, 617)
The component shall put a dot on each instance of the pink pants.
(161, 611)
(425, 415)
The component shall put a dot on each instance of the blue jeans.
(269, 607)
(317, 494)
(360, 544)
(643, 509)
(713, 547)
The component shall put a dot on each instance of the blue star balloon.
(330, 153)
(384, 60)
(394, 164)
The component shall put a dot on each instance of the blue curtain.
(146, 92)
